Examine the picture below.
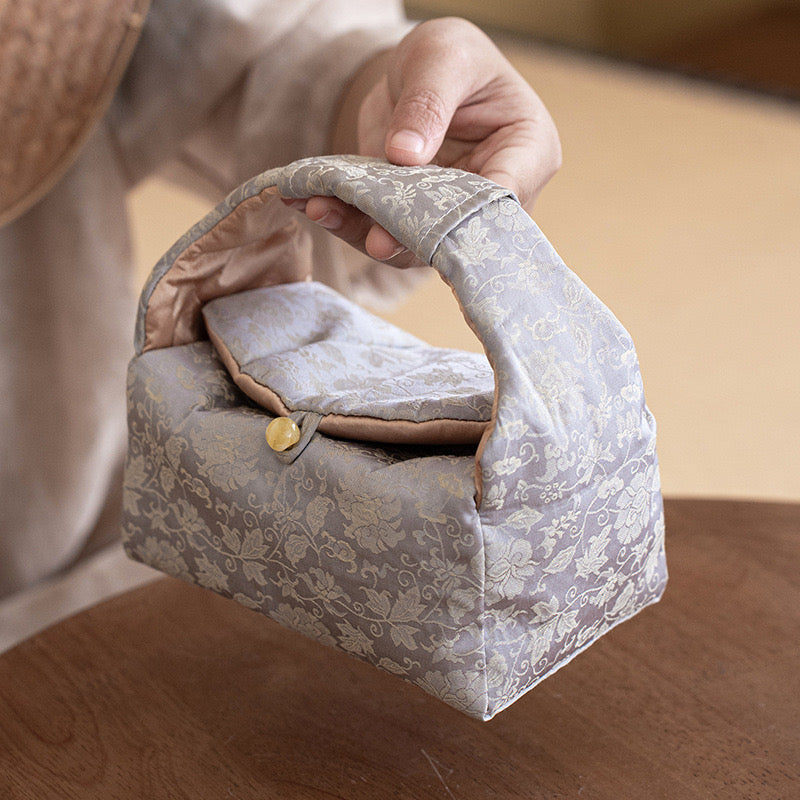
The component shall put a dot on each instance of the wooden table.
(172, 692)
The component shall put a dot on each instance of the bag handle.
(567, 382)
(250, 240)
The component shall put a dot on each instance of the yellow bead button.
(282, 433)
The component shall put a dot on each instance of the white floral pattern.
(474, 574)
(319, 352)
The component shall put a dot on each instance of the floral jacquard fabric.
(320, 352)
(472, 573)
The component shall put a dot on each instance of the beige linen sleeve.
(225, 87)
(220, 90)
(234, 87)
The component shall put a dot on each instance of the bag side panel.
(374, 551)
(571, 505)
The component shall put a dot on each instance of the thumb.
(428, 93)
(418, 126)
(436, 68)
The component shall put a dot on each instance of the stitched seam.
(459, 213)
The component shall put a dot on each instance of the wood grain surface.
(172, 692)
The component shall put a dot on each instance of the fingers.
(381, 245)
(336, 216)
(433, 74)
(450, 97)
(355, 228)
(523, 156)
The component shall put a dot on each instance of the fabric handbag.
(467, 523)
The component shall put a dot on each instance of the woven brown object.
(60, 62)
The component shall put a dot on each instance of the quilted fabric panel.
(319, 352)
(373, 550)
(563, 539)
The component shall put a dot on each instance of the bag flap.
(303, 347)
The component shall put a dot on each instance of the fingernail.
(396, 252)
(409, 141)
(332, 220)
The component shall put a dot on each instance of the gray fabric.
(226, 88)
(320, 352)
(472, 574)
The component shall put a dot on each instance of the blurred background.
(678, 204)
(753, 43)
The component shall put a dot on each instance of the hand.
(445, 95)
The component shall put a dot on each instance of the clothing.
(217, 90)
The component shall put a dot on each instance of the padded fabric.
(472, 572)
(304, 347)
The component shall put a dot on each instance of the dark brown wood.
(757, 51)
(172, 692)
